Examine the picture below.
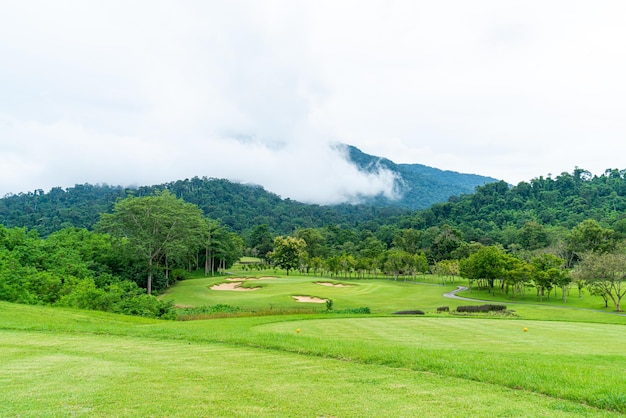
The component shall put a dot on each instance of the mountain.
(416, 186)
(242, 206)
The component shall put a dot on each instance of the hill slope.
(242, 206)
(238, 206)
(417, 186)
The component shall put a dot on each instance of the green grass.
(379, 295)
(52, 374)
(63, 362)
(587, 301)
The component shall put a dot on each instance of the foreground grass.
(53, 374)
(389, 366)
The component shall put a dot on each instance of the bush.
(180, 274)
(364, 310)
(412, 312)
(481, 308)
(219, 308)
(443, 309)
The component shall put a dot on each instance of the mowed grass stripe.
(56, 374)
(469, 334)
(574, 361)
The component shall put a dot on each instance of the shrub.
(443, 309)
(180, 274)
(219, 308)
(412, 312)
(329, 304)
(364, 310)
(481, 308)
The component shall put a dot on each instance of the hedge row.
(481, 308)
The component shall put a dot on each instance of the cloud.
(258, 91)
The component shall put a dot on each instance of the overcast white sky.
(144, 92)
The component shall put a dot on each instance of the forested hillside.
(242, 206)
(417, 186)
(495, 210)
(238, 206)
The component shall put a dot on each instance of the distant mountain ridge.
(416, 185)
(243, 206)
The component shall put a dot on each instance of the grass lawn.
(56, 374)
(63, 362)
(587, 301)
(60, 362)
(379, 295)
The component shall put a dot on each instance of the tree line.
(144, 245)
(589, 256)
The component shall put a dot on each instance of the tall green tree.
(549, 273)
(588, 236)
(287, 252)
(488, 264)
(605, 272)
(155, 227)
(315, 241)
(261, 241)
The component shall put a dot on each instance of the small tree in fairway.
(287, 252)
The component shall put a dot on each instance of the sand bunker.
(309, 299)
(333, 284)
(244, 279)
(233, 286)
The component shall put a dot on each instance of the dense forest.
(238, 206)
(547, 234)
(495, 211)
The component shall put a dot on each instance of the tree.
(488, 263)
(588, 236)
(408, 240)
(315, 241)
(446, 268)
(396, 262)
(155, 227)
(261, 241)
(605, 274)
(533, 236)
(222, 248)
(287, 252)
(447, 240)
(549, 273)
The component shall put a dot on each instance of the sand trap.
(309, 299)
(333, 284)
(233, 286)
(244, 279)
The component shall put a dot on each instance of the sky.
(145, 92)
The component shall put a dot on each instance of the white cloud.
(147, 92)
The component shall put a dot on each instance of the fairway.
(277, 292)
(470, 335)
